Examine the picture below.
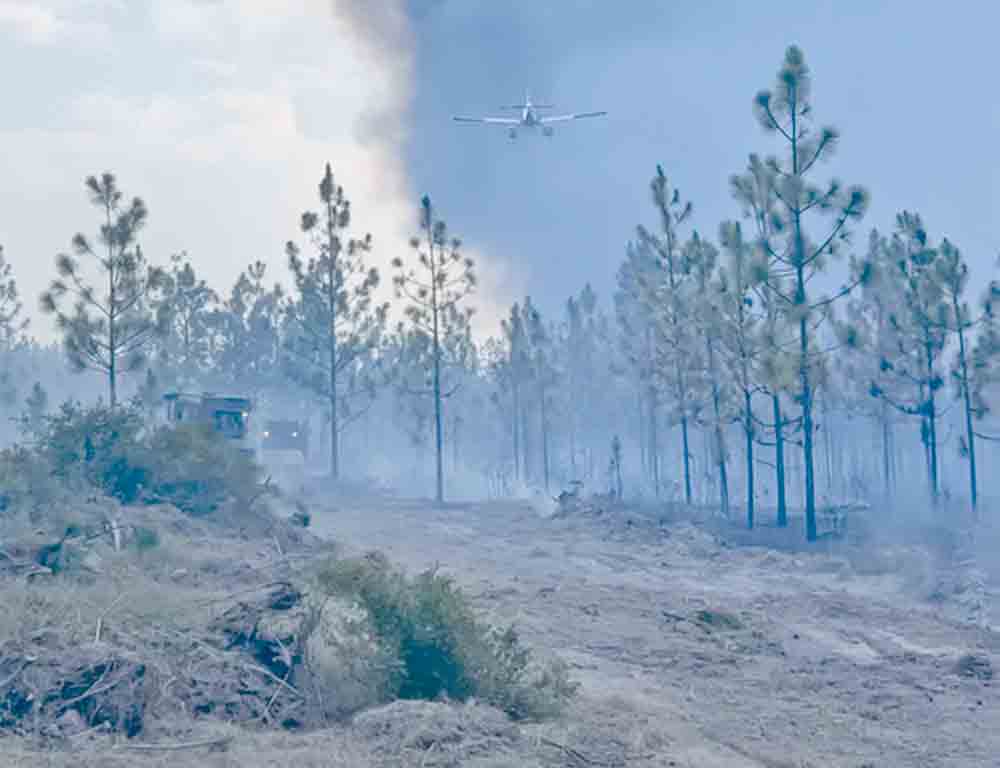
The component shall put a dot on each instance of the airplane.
(530, 118)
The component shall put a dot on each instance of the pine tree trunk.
(932, 457)
(779, 461)
(748, 430)
(720, 448)
(525, 453)
(112, 316)
(887, 469)
(516, 398)
(438, 436)
(970, 434)
(807, 423)
(654, 444)
(545, 440)
(828, 448)
(643, 452)
(331, 299)
(686, 446)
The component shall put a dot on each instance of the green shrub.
(146, 539)
(443, 649)
(196, 470)
(93, 444)
(26, 482)
(189, 466)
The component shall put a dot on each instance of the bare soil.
(698, 648)
(697, 644)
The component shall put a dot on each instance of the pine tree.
(787, 111)
(706, 317)
(336, 325)
(435, 285)
(517, 371)
(246, 333)
(919, 328)
(635, 310)
(586, 343)
(981, 372)
(740, 335)
(110, 331)
(755, 191)
(37, 407)
(672, 334)
(967, 367)
(545, 377)
(12, 324)
(866, 369)
(188, 303)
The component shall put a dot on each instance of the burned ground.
(694, 645)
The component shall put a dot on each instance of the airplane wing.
(564, 118)
(488, 120)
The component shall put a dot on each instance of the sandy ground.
(807, 659)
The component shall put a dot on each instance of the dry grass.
(332, 748)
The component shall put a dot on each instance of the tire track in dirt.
(816, 668)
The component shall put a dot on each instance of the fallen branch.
(270, 674)
(94, 689)
(104, 613)
(177, 747)
(27, 662)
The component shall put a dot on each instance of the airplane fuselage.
(528, 118)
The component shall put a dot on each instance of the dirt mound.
(131, 615)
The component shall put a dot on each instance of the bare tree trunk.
(516, 398)
(932, 426)
(970, 434)
(807, 425)
(654, 443)
(749, 434)
(545, 439)
(887, 463)
(643, 457)
(685, 442)
(779, 461)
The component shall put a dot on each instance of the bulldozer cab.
(226, 415)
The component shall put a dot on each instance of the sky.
(221, 114)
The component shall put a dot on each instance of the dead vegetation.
(146, 630)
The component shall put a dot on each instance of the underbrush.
(176, 626)
(114, 453)
(133, 615)
(437, 645)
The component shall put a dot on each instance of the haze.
(220, 113)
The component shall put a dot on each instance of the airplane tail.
(527, 103)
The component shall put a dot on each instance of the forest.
(792, 357)
(729, 507)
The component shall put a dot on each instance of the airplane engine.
(512, 133)
(548, 131)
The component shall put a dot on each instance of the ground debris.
(438, 733)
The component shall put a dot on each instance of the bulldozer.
(227, 415)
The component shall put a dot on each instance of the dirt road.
(692, 653)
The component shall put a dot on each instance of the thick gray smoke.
(678, 80)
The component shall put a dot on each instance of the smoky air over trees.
(307, 397)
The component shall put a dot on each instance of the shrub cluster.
(441, 649)
(114, 452)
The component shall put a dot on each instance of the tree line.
(751, 342)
